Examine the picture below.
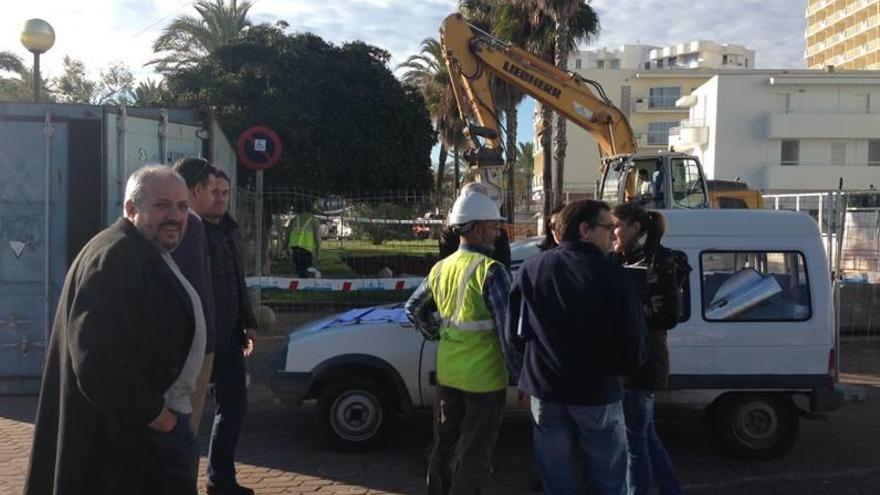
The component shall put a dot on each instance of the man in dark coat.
(124, 335)
(580, 317)
(235, 327)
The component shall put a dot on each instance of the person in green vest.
(463, 304)
(304, 242)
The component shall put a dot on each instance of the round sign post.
(259, 148)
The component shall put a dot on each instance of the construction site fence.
(366, 239)
(849, 222)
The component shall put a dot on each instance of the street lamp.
(38, 37)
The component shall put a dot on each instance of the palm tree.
(190, 38)
(574, 21)
(19, 88)
(427, 71)
(149, 93)
(11, 62)
(524, 169)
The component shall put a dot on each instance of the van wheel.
(356, 413)
(753, 426)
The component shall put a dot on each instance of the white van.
(755, 346)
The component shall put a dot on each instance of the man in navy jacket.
(579, 317)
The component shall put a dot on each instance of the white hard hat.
(473, 206)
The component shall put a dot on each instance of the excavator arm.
(472, 55)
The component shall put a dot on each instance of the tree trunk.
(560, 138)
(441, 169)
(457, 170)
(510, 115)
(547, 158)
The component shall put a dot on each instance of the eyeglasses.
(609, 226)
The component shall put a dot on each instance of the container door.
(25, 313)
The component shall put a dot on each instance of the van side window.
(754, 286)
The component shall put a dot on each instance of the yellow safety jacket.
(469, 353)
(302, 233)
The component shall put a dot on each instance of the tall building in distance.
(843, 33)
(699, 54)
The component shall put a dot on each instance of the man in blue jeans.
(234, 325)
(580, 320)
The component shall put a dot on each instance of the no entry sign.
(259, 148)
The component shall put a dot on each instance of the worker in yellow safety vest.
(463, 304)
(304, 241)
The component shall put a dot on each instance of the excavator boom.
(472, 55)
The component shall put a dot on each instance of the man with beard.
(126, 348)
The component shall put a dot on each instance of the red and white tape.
(334, 285)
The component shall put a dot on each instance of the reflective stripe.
(462, 288)
(470, 326)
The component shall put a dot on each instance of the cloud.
(103, 31)
(773, 29)
(395, 25)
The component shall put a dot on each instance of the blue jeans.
(648, 461)
(172, 465)
(230, 394)
(600, 434)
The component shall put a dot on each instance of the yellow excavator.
(660, 180)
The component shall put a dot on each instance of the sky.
(100, 32)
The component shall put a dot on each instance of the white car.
(755, 349)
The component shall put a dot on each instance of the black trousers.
(466, 427)
(302, 260)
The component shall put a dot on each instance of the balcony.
(689, 134)
(646, 139)
(657, 103)
(823, 126)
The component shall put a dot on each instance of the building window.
(724, 60)
(577, 63)
(664, 97)
(615, 64)
(754, 286)
(838, 153)
(790, 152)
(747, 63)
(658, 132)
(659, 63)
(647, 65)
(600, 64)
(874, 152)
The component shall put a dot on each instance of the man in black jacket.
(125, 350)
(234, 324)
(580, 319)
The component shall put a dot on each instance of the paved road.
(283, 453)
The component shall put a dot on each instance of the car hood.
(388, 313)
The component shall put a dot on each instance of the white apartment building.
(700, 54)
(785, 131)
(644, 81)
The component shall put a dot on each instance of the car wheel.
(753, 426)
(356, 413)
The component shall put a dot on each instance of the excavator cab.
(662, 181)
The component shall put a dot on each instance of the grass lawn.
(331, 264)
